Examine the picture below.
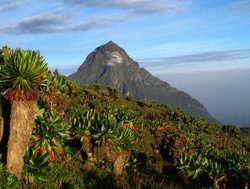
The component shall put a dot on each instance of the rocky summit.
(110, 65)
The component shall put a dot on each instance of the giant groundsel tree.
(21, 75)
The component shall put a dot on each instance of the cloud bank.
(56, 23)
(68, 16)
(216, 56)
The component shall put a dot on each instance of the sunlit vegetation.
(90, 137)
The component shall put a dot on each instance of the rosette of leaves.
(50, 135)
(110, 126)
(174, 144)
(104, 129)
(125, 139)
(197, 165)
(127, 119)
(33, 166)
(111, 112)
(82, 122)
(192, 166)
(216, 172)
(125, 115)
(54, 93)
(24, 72)
(56, 83)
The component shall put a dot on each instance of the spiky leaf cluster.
(22, 74)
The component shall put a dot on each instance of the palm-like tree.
(23, 73)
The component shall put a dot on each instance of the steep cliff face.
(110, 65)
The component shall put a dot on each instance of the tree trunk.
(21, 125)
(216, 183)
(86, 144)
(120, 162)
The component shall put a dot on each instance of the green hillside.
(90, 137)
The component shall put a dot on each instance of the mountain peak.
(111, 54)
(111, 43)
(110, 46)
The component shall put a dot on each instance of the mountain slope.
(110, 65)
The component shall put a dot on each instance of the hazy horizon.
(225, 94)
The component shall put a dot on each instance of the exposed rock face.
(110, 65)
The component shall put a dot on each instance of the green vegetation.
(90, 137)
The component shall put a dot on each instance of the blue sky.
(164, 36)
(199, 46)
